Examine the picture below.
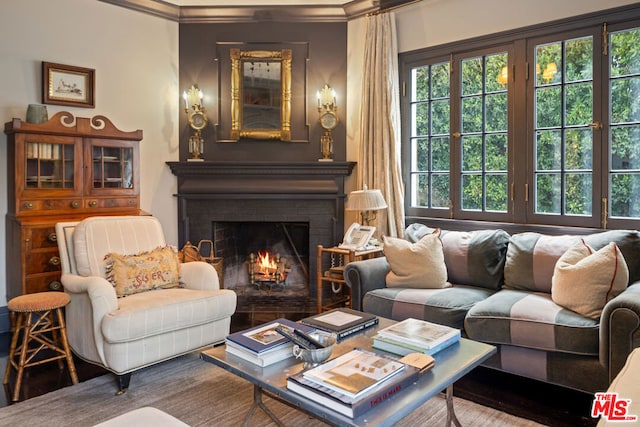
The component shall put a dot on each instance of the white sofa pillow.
(416, 265)
(584, 280)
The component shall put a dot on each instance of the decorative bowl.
(317, 356)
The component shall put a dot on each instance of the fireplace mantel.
(309, 192)
(260, 179)
(261, 168)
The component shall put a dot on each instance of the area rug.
(202, 394)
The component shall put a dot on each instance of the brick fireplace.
(310, 193)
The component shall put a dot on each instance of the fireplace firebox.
(264, 256)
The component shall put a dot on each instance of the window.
(483, 133)
(624, 123)
(430, 149)
(565, 134)
(475, 154)
(537, 127)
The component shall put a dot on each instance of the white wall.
(435, 22)
(136, 61)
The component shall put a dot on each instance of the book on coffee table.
(262, 344)
(355, 373)
(402, 348)
(263, 359)
(346, 405)
(419, 335)
(341, 321)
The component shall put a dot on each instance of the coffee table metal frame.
(452, 363)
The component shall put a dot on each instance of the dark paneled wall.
(325, 44)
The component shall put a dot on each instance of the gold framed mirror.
(261, 94)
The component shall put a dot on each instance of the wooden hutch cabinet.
(65, 169)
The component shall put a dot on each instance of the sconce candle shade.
(192, 97)
(367, 202)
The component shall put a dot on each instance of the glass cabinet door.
(51, 164)
(112, 167)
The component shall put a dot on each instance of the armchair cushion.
(145, 271)
(149, 314)
(95, 237)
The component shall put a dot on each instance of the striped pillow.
(473, 258)
(584, 280)
(531, 259)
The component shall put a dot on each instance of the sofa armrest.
(364, 276)
(620, 329)
(199, 275)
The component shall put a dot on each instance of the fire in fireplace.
(264, 256)
(267, 269)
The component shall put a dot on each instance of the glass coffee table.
(452, 363)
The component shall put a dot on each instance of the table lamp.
(367, 202)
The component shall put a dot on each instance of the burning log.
(266, 269)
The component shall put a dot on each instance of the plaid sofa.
(501, 295)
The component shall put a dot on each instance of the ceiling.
(220, 11)
(258, 3)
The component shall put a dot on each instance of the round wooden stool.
(40, 331)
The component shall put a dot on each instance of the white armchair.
(126, 334)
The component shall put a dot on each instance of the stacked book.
(355, 382)
(342, 321)
(415, 336)
(263, 345)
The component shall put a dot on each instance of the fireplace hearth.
(308, 195)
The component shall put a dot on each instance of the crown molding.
(239, 14)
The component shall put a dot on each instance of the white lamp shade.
(365, 200)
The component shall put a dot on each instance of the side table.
(333, 275)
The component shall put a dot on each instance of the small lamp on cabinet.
(197, 120)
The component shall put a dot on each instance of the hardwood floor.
(534, 400)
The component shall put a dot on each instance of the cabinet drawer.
(120, 202)
(42, 283)
(42, 237)
(42, 262)
(49, 205)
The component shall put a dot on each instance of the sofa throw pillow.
(584, 280)
(131, 274)
(416, 265)
(474, 258)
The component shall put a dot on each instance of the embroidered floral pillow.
(131, 274)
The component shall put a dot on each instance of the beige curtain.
(379, 162)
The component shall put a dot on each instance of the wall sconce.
(197, 120)
(367, 202)
(328, 110)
